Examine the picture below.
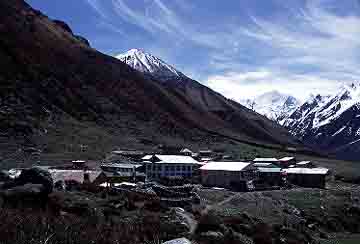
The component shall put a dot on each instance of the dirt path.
(226, 200)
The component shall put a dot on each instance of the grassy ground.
(297, 215)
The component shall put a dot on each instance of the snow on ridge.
(274, 105)
(147, 63)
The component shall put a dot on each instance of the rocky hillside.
(58, 95)
(331, 123)
(199, 96)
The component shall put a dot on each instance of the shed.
(228, 174)
(306, 177)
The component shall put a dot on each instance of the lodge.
(162, 166)
(234, 175)
(286, 162)
(306, 177)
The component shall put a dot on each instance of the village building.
(305, 164)
(120, 172)
(79, 163)
(286, 162)
(162, 166)
(274, 161)
(113, 178)
(306, 177)
(265, 165)
(234, 175)
(68, 177)
(121, 167)
(270, 176)
(186, 152)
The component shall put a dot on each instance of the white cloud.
(239, 86)
(312, 53)
(311, 49)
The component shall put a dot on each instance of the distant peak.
(136, 50)
(145, 62)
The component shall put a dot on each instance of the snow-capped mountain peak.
(147, 63)
(274, 105)
(329, 121)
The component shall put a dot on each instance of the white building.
(307, 177)
(162, 166)
(228, 174)
(266, 160)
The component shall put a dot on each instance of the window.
(184, 168)
(178, 168)
(166, 168)
(189, 168)
(86, 177)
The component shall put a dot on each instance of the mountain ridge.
(330, 122)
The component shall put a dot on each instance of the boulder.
(36, 176)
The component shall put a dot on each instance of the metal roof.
(284, 159)
(269, 170)
(126, 166)
(266, 160)
(303, 162)
(128, 152)
(147, 157)
(76, 175)
(225, 166)
(176, 159)
(307, 171)
(264, 165)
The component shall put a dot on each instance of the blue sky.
(239, 48)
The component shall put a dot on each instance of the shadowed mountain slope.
(58, 94)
